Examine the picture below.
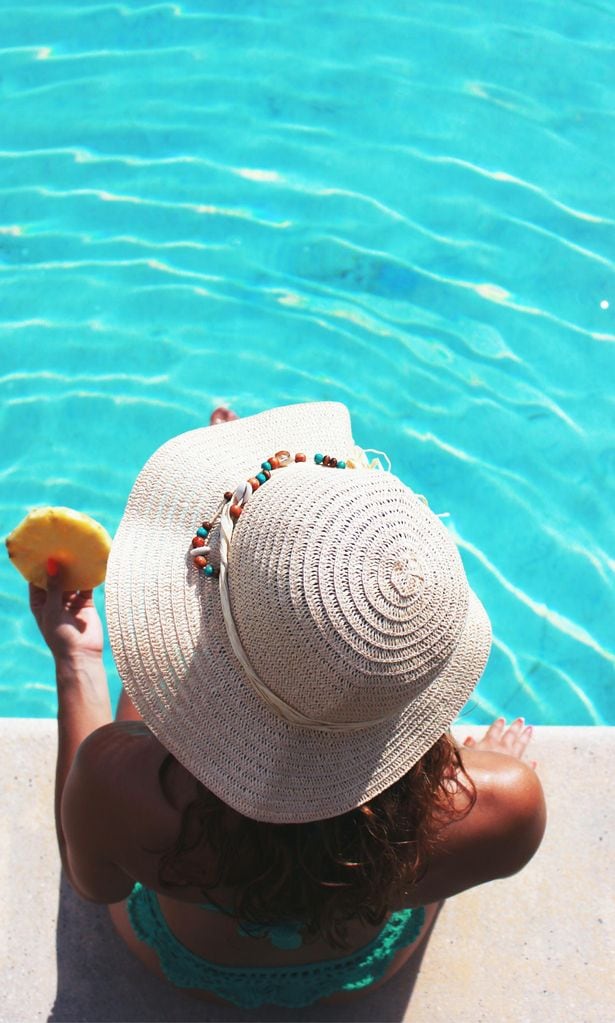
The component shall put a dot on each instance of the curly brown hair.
(358, 866)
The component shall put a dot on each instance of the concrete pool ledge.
(535, 946)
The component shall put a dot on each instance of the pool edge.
(514, 950)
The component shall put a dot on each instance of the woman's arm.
(71, 627)
(504, 827)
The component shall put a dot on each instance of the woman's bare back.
(135, 821)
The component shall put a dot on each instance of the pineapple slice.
(76, 542)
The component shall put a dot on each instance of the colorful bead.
(240, 495)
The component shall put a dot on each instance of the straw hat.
(350, 639)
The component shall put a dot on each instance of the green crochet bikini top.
(289, 986)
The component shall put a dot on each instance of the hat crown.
(348, 594)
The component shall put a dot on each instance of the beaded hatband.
(235, 500)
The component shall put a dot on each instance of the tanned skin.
(112, 815)
(110, 809)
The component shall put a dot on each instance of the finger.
(37, 596)
(525, 737)
(55, 596)
(512, 737)
(77, 601)
(519, 744)
(495, 729)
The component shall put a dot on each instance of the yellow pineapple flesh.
(74, 541)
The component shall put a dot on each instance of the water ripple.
(560, 239)
(554, 618)
(75, 378)
(504, 177)
(106, 196)
(403, 213)
(519, 676)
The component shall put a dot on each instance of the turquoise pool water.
(262, 203)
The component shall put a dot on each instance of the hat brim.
(173, 655)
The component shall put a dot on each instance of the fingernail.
(529, 729)
(52, 567)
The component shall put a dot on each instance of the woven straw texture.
(349, 597)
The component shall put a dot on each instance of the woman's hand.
(69, 622)
(499, 739)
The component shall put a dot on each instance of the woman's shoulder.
(509, 816)
(118, 757)
(117, 740)
(497, 837)
(119, 769)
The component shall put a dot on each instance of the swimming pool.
(411, 213)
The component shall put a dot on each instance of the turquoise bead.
(341, 465)
(202, 532)
(208, 570)
(318, 459)
(260, 476)
(266, 465)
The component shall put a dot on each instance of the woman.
(279, 809)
